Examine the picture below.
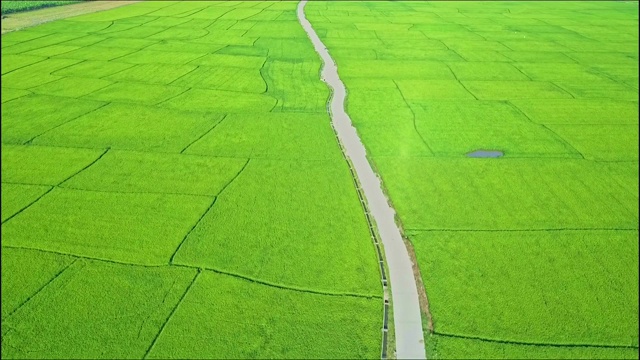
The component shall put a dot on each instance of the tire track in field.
(404, 292)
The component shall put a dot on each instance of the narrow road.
(404, 293)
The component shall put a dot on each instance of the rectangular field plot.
(574, 111)
(304, 214)
(152, 73)
(94, 310)
(296, 86)
(133, 228)
(224, 78)
(40, 165)
(73, 87)
(19, 285)
(13, 62)
(396, 69)
(533, 286)
(444, 347)
(271, 135)
(132, 127)
(601, 142)
(220, 101)
(136, 93)
(9, 94)
(32, 115)
(94, 69)
(456, 128)
(128, 171)
(250, 320)
(510, 194)
(508, 90)
(433, 90)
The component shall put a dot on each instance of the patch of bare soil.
(17, 21)
(422, 294)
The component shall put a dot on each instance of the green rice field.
(533, 254)
(172, 186)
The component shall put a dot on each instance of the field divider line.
(171, 314)
(204, 268)
(86, 167)
(224, 116)
(184, 239)
(27, 206)
(415, 126)
(513, 342)
(41, 288)
(404, 293)
(28, 142)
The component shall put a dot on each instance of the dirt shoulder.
(17, 21)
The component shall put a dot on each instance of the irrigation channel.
(404, 293)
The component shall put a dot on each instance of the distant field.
(9, 7)
(534, 254)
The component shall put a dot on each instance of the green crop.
(145, 148)
(9, 6)
(532, 255)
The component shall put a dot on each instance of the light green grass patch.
(179, 33)
(456, 128)
(396, 53)
(296, 85)
(573, 111)
(35, 74)
(536, 286)
(70, 26)
(153, 73)
(136, 93)
(32, 115)
(510, 194)
(317, 222)
(96, 53)
(73, 87)
(396, 69)
(16, 197)
(397, 138)
(433, 90)
(486, 71)
(135, 31)
(40, 165)
(84, 314)
(558, 71)
(295, 50)
(271, 135)
(135, 44)
(133, 127)
(223, 60)
(220, 101)
(9, 94)
(125, 171)
(160, 57)
(12, 62)
(508, 90)
(184, 47)
(97, 69)
(224, 78)
(444, 347)
(602, 89)
(52, 50)
(132, 228)
(243, 50)
(480, 55)
(40, 42)
(601, 142)
(532, 56)
(269, 322)
(19, 285)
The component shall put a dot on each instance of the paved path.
(406, 307)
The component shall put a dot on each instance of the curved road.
(406, 307)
